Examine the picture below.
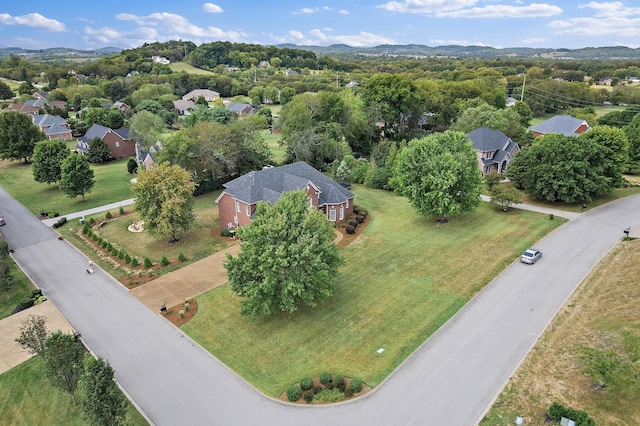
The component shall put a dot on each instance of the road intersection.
(451, 379)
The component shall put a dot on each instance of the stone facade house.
(237, 203)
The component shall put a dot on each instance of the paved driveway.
(451, 379)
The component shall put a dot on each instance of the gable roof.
(269, 184)
(486, 139)
(95, 131)
(206, 93)
(47, 120)
(242, 108)
(563, 124)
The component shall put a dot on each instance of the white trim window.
(237, 206)
(332, 214)
(341, 216)
(248, 210)
(117, 144)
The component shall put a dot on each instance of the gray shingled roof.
(48, 120)
(486, 140)
(269, 184)
(562, 124)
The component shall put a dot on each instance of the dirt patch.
(173, 313)
(317, 384)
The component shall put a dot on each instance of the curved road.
(451, 379)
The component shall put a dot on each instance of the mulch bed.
(349, 238)
(173, 313)
(316, 382)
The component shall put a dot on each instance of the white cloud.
(610, 18)
(318, 37)
(107, 36)
(344, 12)
(311, 10)
(33, 20)
(534, 40)
(533, 10)
(212, 8)
(179, 26)
(426, 6)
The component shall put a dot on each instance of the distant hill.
(456, 51)
(58, 53)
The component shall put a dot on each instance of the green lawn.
(27, 398)
(195, 244)
(112, 184)
(183, 66)
(21, 288)
(277, 152)
(404, 277)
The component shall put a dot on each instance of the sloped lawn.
(404, 277)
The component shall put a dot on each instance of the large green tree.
(563, 168)
(64, 361)
(99, 151)
(77, 177)
(103, 403)
(5, 91)
(439, 175)
(506, 120)
(287, 258)
(632, 131)
(615, 147)
(146, 127)
(164, 200)
(18, 136)
(47, 160)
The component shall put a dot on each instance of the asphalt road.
(451, 379)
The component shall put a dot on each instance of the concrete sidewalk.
(544, 210)
(89, 212)
(11, 353)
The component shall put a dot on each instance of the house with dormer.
(494, 149)
(238, 201)
(52, 126)
(116, 139)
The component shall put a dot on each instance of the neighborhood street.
(451, 379)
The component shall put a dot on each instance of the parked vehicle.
(530, 256)
(2, 222)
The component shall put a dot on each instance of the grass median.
(403, 278)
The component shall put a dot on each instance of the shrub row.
(60, 222)
(27, 302)
(334, 388)
(557, 411)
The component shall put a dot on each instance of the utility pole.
(522, 93)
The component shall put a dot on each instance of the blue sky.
(90, 24)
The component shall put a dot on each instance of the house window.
(341, 213)
(248, 210)
(347, 204)
(117, 144)
(332, 214)
(237, 205)
(309, 203)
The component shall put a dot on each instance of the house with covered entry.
(52, 126)
(495, 150)
(238, 201)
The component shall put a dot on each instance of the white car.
(530, 256)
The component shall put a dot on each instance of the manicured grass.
(183, 66)
(277, 152)
(603, 307)
(21, 288)
(27, 398)
(404, 277)
(195, 244)
(112, 184)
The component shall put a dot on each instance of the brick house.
(116, 139)
(237, 203)
(208, 95)
(495, 150)
(562, 124)
(52, 126)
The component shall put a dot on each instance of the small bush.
(92, 221)
(26, 302)
(360, 218)
(121, 210)
(317, 390)
(100, 240)
(109, 246)
(104, 244)
(60, 222)
(4, 248)
(36, 293)
(85, 229)
(115, 251)
(293, 393)
(147, 262)
(181, 313)
(325, 378)
(355, 385)
(306, 383)
(330, 395)
(121, 254)
(127, 258)
(557, 411)
(339, 380)
(551, 216)
(308, 396)
(164, 261)
(108, 215)
(350, 229)
(225, 233)
(360, 210)
(94, 237)
(134, 262)
(181, 257)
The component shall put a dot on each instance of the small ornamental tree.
(287, 258)
(103, 403)
(77, 177)
(132, 166)
(64, 361)
(506, 197)
(33, 334)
